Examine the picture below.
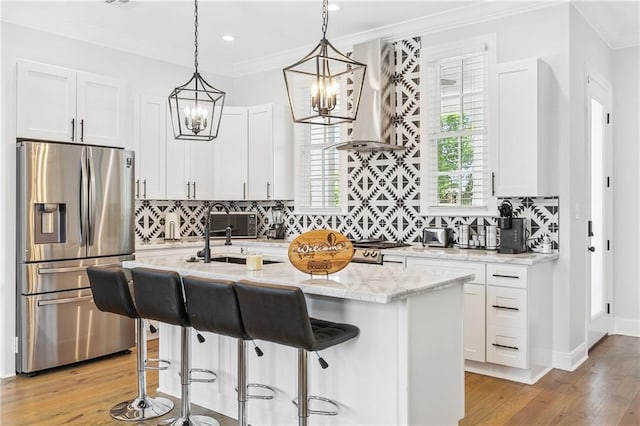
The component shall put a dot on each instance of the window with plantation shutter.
(454, 137)
(320, 168)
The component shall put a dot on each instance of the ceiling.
(269, 34)
(617, 22)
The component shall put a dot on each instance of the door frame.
(600, 88)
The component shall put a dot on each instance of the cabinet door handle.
(194, 190)
(144, 186)
(505, 307)
(493, 184)
(515, 277)
(268, 189)
(137, 188)
(188, 190)
(73, 129)
(82, 130)
(515, 348)
(244, 191)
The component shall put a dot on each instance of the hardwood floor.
(605, 390)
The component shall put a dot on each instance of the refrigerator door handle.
(44, 271)
(65, 300)
(83, 196)
(92, 199)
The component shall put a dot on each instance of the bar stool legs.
(143, 407)
(303, 389)
(302, 402)
(185, 418)
(243, 387)
(242, 382)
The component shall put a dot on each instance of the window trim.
(437, 52)
(342, 208)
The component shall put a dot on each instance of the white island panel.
(405, 367)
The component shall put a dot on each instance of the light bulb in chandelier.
(195, 119)
(324, 96)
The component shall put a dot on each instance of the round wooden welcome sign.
(322, 251)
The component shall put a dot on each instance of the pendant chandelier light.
(196, 106)
(324, 87)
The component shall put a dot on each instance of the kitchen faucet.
(207, 231)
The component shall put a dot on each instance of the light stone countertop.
(199, 242)
(491, 256)
(415, 250)
(369, 283)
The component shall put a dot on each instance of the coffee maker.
(513, 238)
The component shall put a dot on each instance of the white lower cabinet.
(507, 317)
(474, 311)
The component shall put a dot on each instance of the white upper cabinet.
(190, 171)
(46, 107)
(59, 104)
(270, 155)
(200, 169)
(101, 110)
(230, 155)
(149, 129)
(519, 129)
(178, 182)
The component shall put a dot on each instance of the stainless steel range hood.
(374, 130)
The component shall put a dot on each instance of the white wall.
(144, 75)
(588, 54)
(626, 191)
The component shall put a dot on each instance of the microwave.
(243, 224)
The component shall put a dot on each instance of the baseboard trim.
(569, 361)
(626, 327)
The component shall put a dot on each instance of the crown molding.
(450, 19)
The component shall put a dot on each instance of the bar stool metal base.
(331, 402)
(141, 409)
(191, 421)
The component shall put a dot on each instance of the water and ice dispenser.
(50, 223)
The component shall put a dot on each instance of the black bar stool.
(110, 289)
(277, 313)
(159, 296)
(212, 306)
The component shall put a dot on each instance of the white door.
(230, 156)
(150, 140)
(101, 110)
(260, 186)
(46, 106)
(599, 208)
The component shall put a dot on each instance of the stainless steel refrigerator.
(75, 208)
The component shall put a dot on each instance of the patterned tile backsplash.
(542, 215)
(383, 187)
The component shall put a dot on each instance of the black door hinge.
(608, 181)
(608, 308)
(608, 118)
(608, 245)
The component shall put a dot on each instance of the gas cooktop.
(369, 251)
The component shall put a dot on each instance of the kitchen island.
(405, 367)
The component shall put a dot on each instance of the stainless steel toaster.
(437, 237)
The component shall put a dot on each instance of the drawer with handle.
(506, 306)
(507, 346)
(476, 268)
(507, 275)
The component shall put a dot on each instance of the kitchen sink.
(239, 260)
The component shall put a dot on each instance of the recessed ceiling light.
(228, 37)
(333, 7)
